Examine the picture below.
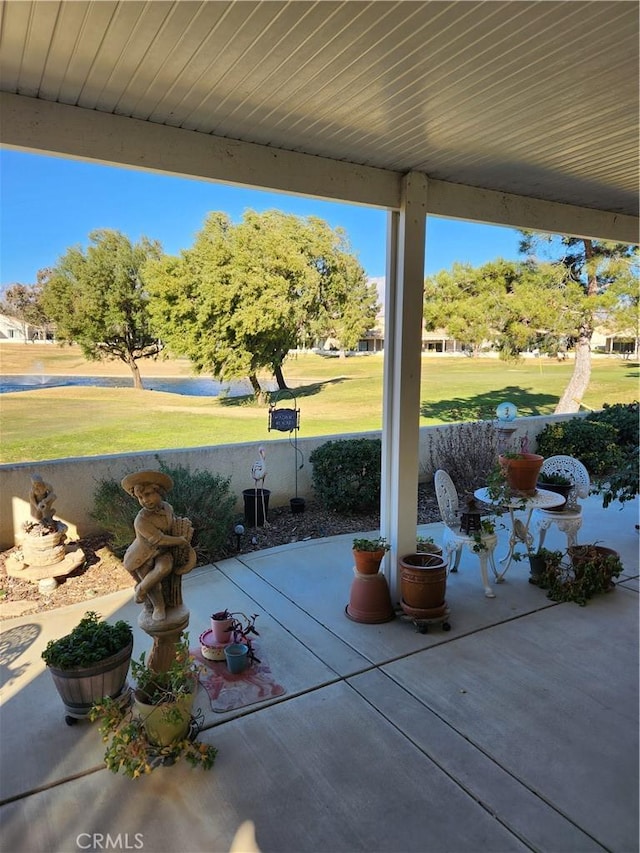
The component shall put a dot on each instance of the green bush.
(594, 443)
(346, 474)
(202, 497)
(622, 416)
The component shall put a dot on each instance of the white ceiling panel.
(539, 99)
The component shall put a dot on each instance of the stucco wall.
(75, 479)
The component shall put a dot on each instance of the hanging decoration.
(287, 419)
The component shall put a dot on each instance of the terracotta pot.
(370, 599)
(423, 581)
(582, 554)
(368, 562)
(522, 473)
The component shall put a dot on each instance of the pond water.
(189, 386)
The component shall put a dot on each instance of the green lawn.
(334, 396)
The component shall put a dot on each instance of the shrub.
(202, 497)
(594, 443)
(622, 416)
(91, 641)
(467, 452)
(346, 474)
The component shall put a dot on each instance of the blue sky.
(48, 204)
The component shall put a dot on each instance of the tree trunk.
(257, 390)
(579, 382)
(277, 372)
(135, 372)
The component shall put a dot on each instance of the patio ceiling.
(536, 99)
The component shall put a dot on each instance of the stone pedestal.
(165, 635)
(42, 557)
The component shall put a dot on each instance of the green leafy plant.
(426, 545)
(91, 641)
(130, 749)
(578, 574)
(377, 544)
(202, 497)
(243, 629)
(595, 444)
(487, 526)
(346, 474)
(623, 484)
(554, 479)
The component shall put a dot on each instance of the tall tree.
(245, 294)
(24, 302)
(98, 299)
(594, 265)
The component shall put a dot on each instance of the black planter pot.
(558, 490)
(537, 564)
(297, 505)
(256, 506)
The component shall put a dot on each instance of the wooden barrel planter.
(79, 689)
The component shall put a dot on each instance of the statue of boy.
(162, 544)
(41, 498)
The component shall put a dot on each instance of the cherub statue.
(41, 498)
(162, 546)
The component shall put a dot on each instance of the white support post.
(402, 353)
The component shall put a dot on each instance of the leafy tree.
(245, 294)
(98, 299)
(509, 303)
(24, 302)
(606, 274)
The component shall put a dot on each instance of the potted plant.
(555, 483)
(540, 561)
(580, 573)
(243, 629)
(368, 554)
(521, 470)
(221, 623)
(89, 663)
(426, 545)
(156, 727)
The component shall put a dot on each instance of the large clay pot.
(79, 689)
(368, 562)
(582, 555)
(423, 581)
(522, 472)
(370, 599)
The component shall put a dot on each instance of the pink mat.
(228, 692)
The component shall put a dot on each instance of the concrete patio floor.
(515, 730)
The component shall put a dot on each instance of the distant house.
(17, 331)
(14, 330)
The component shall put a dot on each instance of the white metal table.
(542, 499)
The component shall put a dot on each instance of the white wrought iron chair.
(569, 518)
(454, 540)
